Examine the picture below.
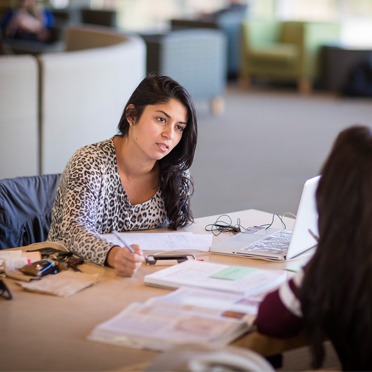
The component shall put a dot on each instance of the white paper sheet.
(174, 241)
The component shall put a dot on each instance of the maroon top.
(279, 314)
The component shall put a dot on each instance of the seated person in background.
(29, 21)
(138, 179)
(331, 298)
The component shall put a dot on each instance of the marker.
(122, 241)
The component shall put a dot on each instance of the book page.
(157, 326)
(219, 303)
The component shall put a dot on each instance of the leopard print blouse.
(90, 200)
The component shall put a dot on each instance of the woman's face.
(160, 129)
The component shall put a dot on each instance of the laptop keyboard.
(277, 243)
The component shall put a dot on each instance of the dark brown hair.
(174, 180)
(336, 295)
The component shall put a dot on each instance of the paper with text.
(229, 278)
(173, 241)
(184, 316)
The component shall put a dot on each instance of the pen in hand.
(122, 241)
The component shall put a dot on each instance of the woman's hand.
(124, 262)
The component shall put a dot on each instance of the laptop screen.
(305, 229)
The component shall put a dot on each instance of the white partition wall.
(83, 94)
(18, 116)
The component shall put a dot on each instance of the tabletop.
(48, 333)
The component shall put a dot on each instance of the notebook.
(278, 244)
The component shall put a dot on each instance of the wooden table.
(47, 333)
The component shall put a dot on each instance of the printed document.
(228, 278)
(167, 242)
(188, 315)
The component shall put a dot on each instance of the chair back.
(101, 17)
(25, 209)
(196, 58)
(259, 34)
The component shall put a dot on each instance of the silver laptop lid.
(302, 239)
(306, 224)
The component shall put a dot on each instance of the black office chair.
(25, 209)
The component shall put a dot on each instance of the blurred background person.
(29, 20)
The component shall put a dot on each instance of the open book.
(214, 305)
(228, 278)
(188, 315)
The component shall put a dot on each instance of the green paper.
(233, 273)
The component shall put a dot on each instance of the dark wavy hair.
(336, 295)
(175, 183)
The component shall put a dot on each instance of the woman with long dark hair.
(331, 298)
(139, 179)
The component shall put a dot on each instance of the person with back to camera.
(331, 297)
(138, 179)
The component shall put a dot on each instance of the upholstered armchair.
(284, 50)
(229, 24)
(193, 57)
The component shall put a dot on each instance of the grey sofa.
(52, 104)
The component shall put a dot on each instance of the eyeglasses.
(5, 291)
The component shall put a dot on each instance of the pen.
(313, 235)
(122, 241)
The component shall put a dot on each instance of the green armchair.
(284, 50)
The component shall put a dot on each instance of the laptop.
(278, 244)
